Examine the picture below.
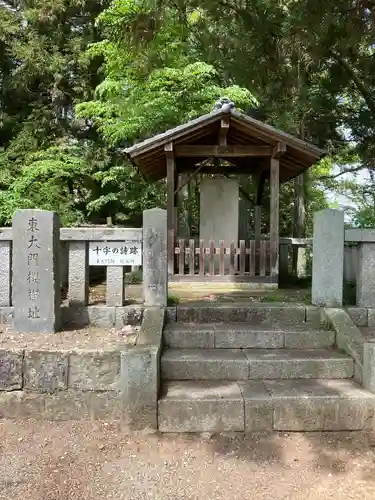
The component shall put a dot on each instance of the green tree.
(135, 68)
(153, 81)
(44, 71)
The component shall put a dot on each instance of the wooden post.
(178, 197)
(258, 206)
(258, 222)
(260, 180)
(182, 228)
(171, 168)
(274, 216)
(189, 208)
(224, 128)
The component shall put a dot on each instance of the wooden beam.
(171, 173)
(224, 128)
(279, 149)
(200, 151)
(274, 215)
(215, 170)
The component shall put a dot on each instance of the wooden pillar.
(258, 206)
(171, 174)
(190, 207)
(258, 222)
(179, 200)
(274, 215)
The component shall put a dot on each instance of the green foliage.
(81, 79)
(126, 111)
(173, 299)
(362, 198)
(51, 180)
(123, 194)
(44, 70)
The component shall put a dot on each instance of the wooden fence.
(243, 261)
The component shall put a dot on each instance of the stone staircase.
(257, 369)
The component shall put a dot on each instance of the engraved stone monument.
(36, 276)
(155, 274)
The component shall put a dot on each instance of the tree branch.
(366, 94)
(345, 171)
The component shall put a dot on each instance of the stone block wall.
(60, 385)
(99, 316)
(362, 316)
(117, 379)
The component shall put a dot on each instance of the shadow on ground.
(100, 461)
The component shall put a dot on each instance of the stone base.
(257, 314)
(175, 286)
(201, 407)
(255, 364)
(243, 335)
(101, 316)
(254, 406)
(64, 405)
(114, 380)
(61, 385)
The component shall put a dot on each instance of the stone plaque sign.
(115, 253)
(36, 278)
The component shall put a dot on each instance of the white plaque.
(115, 253)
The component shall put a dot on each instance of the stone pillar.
(219, 205)
(64, 264)
(115, 286)
(5, 273)
(366, 275)
(351, 260)
(36, 271)
(301, 270)
(78, 273)
(328, 258)
(155, 270)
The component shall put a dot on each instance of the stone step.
(243, 335)
(256, 406)
(246, 312)
(254, 364)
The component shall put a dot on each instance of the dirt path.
(98, 461)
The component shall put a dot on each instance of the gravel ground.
(99, 461)
(84, 338)
(223, 294)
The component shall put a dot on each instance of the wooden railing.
(200, 260)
